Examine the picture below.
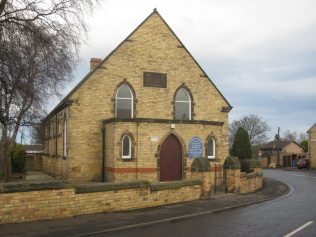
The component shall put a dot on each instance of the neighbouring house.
(280, 153)
(33, 157)
(312, 145)
(142, 113)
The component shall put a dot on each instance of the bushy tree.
(242, 149)
(241, 146)
(17, 155)
(304, 144)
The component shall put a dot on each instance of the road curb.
(288, 192)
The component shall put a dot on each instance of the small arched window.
(124, 102)
(211, 148)
(183, 105)
(126, 147)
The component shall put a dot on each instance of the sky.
(260, 54)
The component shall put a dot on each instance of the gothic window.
(211, 148)
(124, 102)
(182, 105)
(126, 147)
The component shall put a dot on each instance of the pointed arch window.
(124, 102)
(182, 105)
(211, 148)
(126, 147)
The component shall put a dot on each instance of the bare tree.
(39, 41)
(302, 137)
(37, 133)
(290, 136)
(254, 125)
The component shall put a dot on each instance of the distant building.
(312, 145)
(34, 154)
(281, 154)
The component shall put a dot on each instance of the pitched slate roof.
(276, 145)
(65, 102)
(279, 145)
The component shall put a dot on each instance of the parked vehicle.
(303, 163)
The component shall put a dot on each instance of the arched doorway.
(171, 159)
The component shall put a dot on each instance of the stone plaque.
(154, 139)
(195, 148)
(155, 79)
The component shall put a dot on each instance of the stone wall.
(240, 182)
(250, 182)
(28, 202)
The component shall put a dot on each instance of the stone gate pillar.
(232, 174)
(201, 168)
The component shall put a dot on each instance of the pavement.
(101, 223)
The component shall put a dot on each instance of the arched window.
(211, 148)
(124, 102)
(126, 147)
(183, 105)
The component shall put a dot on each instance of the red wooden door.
(170, 160)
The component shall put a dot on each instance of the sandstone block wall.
(60, 203)
(312, 147)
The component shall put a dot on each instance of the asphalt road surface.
(290, 215)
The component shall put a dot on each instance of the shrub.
(246, 166)
(241, 146)
(17, 155)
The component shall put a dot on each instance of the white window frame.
(214, 146)
(121, 98)
(182, 101)
(129, 156)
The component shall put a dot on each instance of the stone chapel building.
(142, 113)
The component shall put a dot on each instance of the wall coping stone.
(251, 175)
(174, 184)
(28, 186)
(113, 186)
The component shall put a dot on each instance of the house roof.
(279, 145)
(65, 102)
(276, 145)
(312, 128)
(33, 148)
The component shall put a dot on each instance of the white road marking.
(300, 175)
(299, 229)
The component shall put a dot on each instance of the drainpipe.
(103, 154)
(56, 138)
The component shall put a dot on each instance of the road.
(292, 215)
